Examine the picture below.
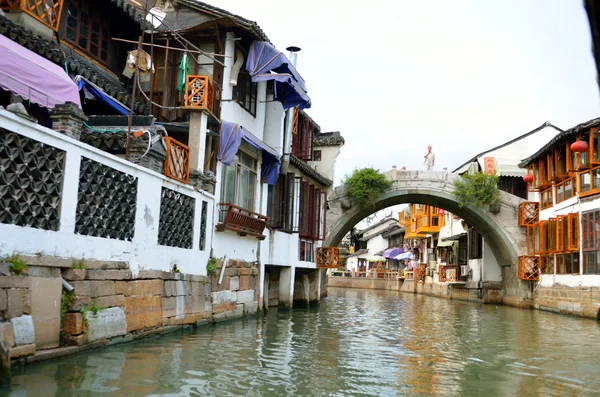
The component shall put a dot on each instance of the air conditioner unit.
(464, 270)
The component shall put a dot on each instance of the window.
(562, 235)
(283, 203)
(307, 251)
(567, 263)
(245, 92)
(238, 185)
(88, 29)
(551, 235)
(302, 140)
(312, 212)
(560, 156)
(316, 155)
(475, 244)
(546, 198)
(591, 242)
(573, 230)
(595, 145)
(565, 190)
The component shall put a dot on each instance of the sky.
(462, 76)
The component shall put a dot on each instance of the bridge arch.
(499, 229)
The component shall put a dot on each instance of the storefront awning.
(266, 62)
(445, 244)
(91, 89)
(231, 139)
(33, 77)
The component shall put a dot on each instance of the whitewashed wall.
(143, 252)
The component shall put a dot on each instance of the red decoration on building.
(528, 178)
(579, 146)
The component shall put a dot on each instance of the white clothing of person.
(429, 160)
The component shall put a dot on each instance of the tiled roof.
(308, 170)
(130, 11)
(333, 138)
(560, 137)
(75, 63)
(244, 23)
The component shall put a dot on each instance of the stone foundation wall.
(107, 305)
(489, 294)
(365, 283)
(580, 301)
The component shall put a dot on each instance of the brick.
(176, 288)
(246, 282)
(245, 296)
(108, 275)
(154, 274)
(79, 302)
(75, 340)
(194, 304)
(231, 271)
(15, 282)
(222, 297)
(139, 287)
(94, 288)
(245, 271)
(234, 283)
(224, 307)
(3, 300)
(74, 274)
(111, 301)
(7, 334)
(143, 312)
(73, 323)
(14, 303)
(24, 350)
(224, 284)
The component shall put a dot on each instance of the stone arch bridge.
(499, 228)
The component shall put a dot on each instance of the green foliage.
(211, 266)
(84, 316)
(80, 264)
(174, 268)
(16, 266)
(67, 301)
(94, 308)
(365, 185)
(478, 190)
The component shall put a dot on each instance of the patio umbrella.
(376, 258)
(405, 255)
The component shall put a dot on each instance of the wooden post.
(135, 77)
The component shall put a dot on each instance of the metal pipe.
(66, 285)
(223, 270)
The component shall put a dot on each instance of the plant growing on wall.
(16, 266)
(80, 264)
(479, 190)
(211, 266)
(365, 185)
(67, 302)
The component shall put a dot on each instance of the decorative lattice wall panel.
(31, 177)
(176, 223)
(106, 202)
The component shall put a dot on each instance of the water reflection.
(357, 342)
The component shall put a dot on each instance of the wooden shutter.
(304, 209)
(288, 208)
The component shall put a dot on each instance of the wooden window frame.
(540, 238)
(594, 188)
(593, 149)
(562, 235)
(550, 202)
(573, 230)
(560, 263)
(530, 232)
(560, 197)
(103, 22)
(560, 175)
(245, 93)
(551, 235)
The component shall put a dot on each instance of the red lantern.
(579, 146)
(528, 178)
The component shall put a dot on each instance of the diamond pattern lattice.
(31, 176)
(106, 202)
(203, 224)
(176, 222)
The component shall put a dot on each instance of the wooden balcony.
(177, 163)
(46, 11)
(242, 221)
(429, 224)
(529, 213)
(328, 257)
(199, 93)
(529, 267)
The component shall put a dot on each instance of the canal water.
(355, 343)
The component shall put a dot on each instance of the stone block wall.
(108, 305)
(580, 301)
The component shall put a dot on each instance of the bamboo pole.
(172, 48)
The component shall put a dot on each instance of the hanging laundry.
(184, 69)
(145, 68)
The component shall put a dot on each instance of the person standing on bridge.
(429, 159)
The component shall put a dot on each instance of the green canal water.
(355, 343)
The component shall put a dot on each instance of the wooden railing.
(529, 213)
(46, 11)
(328, 257)
(529, 267)
(177, 163)
(369, 274)
(242, 221)
(199, 93)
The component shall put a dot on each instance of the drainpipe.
(287, 132)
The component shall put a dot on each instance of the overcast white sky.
(462, 76)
